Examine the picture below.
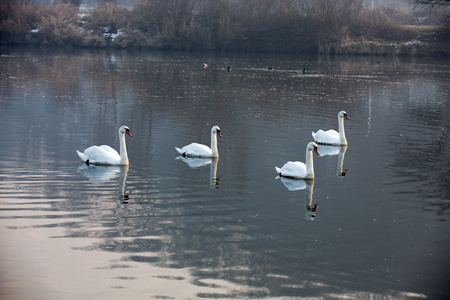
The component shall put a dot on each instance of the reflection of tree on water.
(335, 150)
(414, 159)
(308, 186)
(103, 173)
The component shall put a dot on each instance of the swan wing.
(102, 155)
(293, 169)
(326, 137)
(195, 150)
(109, 149)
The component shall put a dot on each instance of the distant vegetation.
(301, 26)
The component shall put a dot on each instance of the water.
(167, 228)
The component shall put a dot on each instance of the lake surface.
(374, 224)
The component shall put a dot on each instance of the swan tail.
(179, 151)
(278, 170)
(314, 135)
(83, 156)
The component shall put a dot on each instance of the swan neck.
(342, 130)
(309, 163)
(123, 149)
(215, 152)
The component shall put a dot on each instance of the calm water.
(165, 228)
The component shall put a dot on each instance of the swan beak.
(129, 133)
(314, 209)
(218, 133)
(346, 117)
(317, 151)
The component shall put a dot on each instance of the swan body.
(199, 150)
(105, 155)
(332, 137)
(300, 170)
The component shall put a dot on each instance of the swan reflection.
(335, 150)
(103, 173)
(308, 186)
(196, 162)
(213, 179)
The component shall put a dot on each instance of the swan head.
(216, 130)
(125, 129)
(312, 147)
(343, 114)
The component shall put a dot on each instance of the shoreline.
(366, 48)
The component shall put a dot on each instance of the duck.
(199, 150)
(332, 137)
(205, 65)
(105, 155)
(297, 169)
(301, 71)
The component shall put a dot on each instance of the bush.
(376, 24)
(131, 39)
(94, 41)
(107, 19)
(51, 24)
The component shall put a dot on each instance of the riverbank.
(407, 48)
(428, 42)
(347, 30)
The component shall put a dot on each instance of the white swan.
(105, 155)
(296, 169)
(332, 137)
(199, 150)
